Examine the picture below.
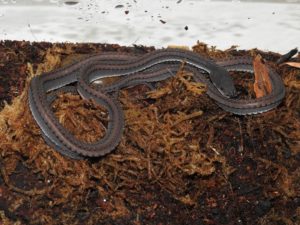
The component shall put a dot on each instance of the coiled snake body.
(152, 67)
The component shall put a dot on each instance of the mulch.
(181, 160)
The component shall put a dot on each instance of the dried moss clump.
(181, 157)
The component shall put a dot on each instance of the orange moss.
(176, 140)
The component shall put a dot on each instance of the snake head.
(223, 82)
(227, 90)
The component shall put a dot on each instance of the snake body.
(151, 67)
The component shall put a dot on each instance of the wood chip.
(293, 64)
(262, 84)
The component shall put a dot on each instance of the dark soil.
(182, 159)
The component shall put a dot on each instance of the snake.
(132, 70)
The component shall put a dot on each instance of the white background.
(268, 25)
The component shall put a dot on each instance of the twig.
(31, 192)
(287, 56)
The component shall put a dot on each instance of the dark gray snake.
(152, 67)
